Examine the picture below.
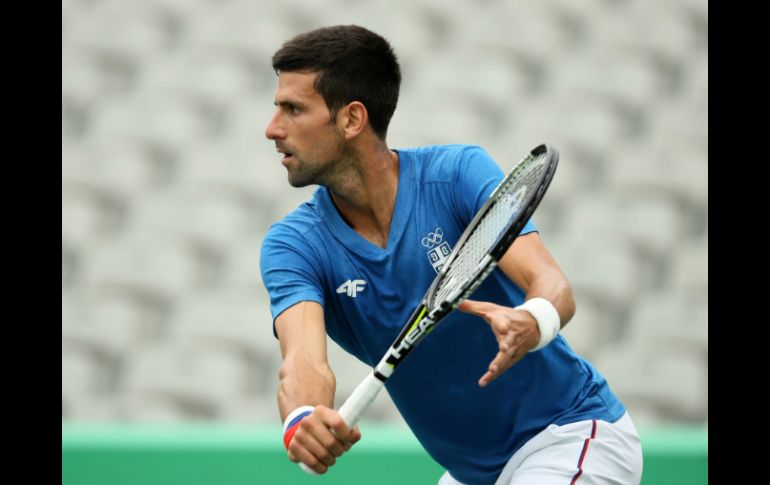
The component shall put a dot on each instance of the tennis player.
(505, 402)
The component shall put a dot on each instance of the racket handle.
(307, 469)
(360, 400)
(355, 405)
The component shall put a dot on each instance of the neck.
(365, 194)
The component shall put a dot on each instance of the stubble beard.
(318, 169)
(303, 174)
(308, 172)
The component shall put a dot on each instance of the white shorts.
(590, 452)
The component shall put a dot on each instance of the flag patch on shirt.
(439, 249)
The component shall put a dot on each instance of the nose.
(274, 130)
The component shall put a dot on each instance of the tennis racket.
(482, 244)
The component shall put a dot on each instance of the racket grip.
(355, 405)
(360, 400)
(307, 469)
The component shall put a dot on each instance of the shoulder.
(443, 162)
(293, 248)
(298, 229)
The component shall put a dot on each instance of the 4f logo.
(351, 287)
(439, 249)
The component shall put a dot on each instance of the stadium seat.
(160, 408)
(211, 218)
(83, 79)
(605, 268)
(628, 78)
(691, 268)
(452, 71)
(91, 408)
(674, 382)
(588, 331)
(250, 166)
(658, 171)
(239, 320)
(159, 117)
(69, 264)
(589, 123)
(245, 28)
(696, 85)
(90, 213)
(648, 223)
(241, 268)
(661, 29)
(82, 372)
(261, 409)
(680, 126)
(200, 378)
(673, 320)
(108, 323)
(149, 266)
(451, 123)
(140, 31)
(538, 29)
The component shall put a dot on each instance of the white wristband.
(547, 319)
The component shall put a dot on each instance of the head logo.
(352, 287)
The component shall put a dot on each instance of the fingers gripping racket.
(482, 244)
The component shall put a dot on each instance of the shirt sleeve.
(290, 270)
(476, 177)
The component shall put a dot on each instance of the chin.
(299, 182)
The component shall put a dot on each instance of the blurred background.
(169, 185)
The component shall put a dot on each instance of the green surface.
(197, 454)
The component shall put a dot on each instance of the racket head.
(513, 201)
(494, 228)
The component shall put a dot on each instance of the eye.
(291, 108)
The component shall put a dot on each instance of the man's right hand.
(321, 438)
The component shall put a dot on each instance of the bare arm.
(305, 376)
(306, 379)
(528, 264)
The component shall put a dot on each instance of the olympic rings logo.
(433, 238)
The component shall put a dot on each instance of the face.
(303, 132)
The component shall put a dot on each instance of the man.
(354, 261)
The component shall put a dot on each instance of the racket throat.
(412, 338)
(408, 339)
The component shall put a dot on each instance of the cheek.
(326, 144)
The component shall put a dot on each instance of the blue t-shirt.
(368, 292)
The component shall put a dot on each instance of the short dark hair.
(353, 64)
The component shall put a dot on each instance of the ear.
(353, 119)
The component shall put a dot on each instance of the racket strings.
(506, 208)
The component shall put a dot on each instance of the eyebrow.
(288, 103)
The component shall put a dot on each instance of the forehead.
(296, 86)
